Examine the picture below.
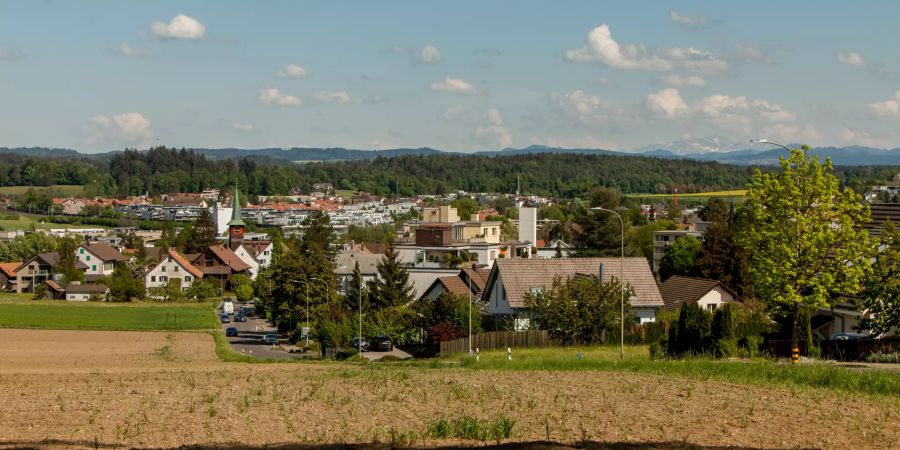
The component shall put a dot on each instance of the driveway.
(249, 339)
(375, 356)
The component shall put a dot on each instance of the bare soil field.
(64, 389)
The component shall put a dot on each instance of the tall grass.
(756, 372)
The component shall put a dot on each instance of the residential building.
(77, 292)
(8, 277)
(708, 294)
(172, 266)
(550, 249)
(220, 263)
(511, 279)
(39, 269)
(99, 258)
(346, 261)
(665, 238)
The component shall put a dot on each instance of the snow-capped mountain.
(710, 144)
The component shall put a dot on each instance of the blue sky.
(103, 75)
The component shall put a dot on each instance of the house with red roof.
(172, 267)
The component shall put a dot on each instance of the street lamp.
(621, 282)
(766, 141)
(306, 283)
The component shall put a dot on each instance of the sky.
(458, 76)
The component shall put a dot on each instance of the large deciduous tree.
(881, 296)
(804, 243)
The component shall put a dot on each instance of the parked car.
(360, 344)
(240, 317)
(848, 336)
(225, 318)
(381, 344)
(270, 338)
(248, 310)
(231, 331)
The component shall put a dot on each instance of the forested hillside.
(565, 175)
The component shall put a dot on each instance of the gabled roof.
(345, 262)
(86, 288)
(479, 277)
(184, 263)
(881, 214)
(50, 259)
(105, 252)
(520, 275)
(54, 285)
(229, 258)
(454, 285)
(9, 268)
(677, 290)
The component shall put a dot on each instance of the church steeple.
(236, 226)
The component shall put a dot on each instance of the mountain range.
(706, 149)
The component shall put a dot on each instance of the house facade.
(77, 292)
(39, 269)
(100, 259)
(172, 266)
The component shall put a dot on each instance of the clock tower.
(236, 226)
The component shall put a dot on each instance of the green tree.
(881, 296)
(600, 231)
(680, 258)
(123, 285)
(317, 233)
(446, 317)
(392, 287)
(68, 247)
(692, 335)
(27, 246)
(202, 290)
(721, 258)
(579, 310)
(805, 246)
(203, 233)
(356, 291)
(465, 207)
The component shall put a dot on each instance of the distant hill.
(41, 152)
(312, 154)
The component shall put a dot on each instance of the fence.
(498, 339)
(855, 350)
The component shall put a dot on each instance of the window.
(94, 268)
(163, 268)
(153, 278)
(711, 307)
(494, 231)
(187, 278)
(164, 279)
(637, 320)
(537, 290)
(88, 257)
(176, 268)
(80, 251)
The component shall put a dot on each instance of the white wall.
(167, 270)
(78, 297)
(644, 315)
(717, 296)
(95, 266)
(245, 256)
(222, 216)
(528, 225)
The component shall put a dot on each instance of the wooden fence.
(498, 339)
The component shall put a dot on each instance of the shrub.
(884, 358)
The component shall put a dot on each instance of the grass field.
(64, 189)
(24, 223)
(700, 196)
(61, 315)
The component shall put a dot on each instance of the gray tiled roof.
(519, 276)
(678, 290)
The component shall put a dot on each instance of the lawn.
(755, 371)
(65, 189)
(55, 314)
(25, 222)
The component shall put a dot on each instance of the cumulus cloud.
(494, 133)
(453, 86)
(271, 96)
(667, 103)
(242, 126)
(752, 54)
(133, 52)
(887, 108)
(121, 129)
(601, 47)
(291, 71)
(863, 138)
(180, 27)
(429, 55)
(851, 58)
(676, 80)
(588, 109)
(339, 97)
(454, 112)
(685, 19)
(740, 111)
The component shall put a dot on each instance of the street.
(249, 339)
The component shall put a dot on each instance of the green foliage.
(202, 290)
(579, 310)
(395, 322)
(681, 258)
(641, 237)
(721, 259)
(67, 248)
(392, 287)
(881, 295)
(451, 312)
(806, 246)
(202, 234)
(27, 246)
(123, 285)
(692, 334)
(465, 207)
(383, 234)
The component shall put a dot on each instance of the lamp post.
(766, 141)
(621, 282)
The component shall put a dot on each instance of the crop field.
(165, 389)
(15, 312)
(64, 189)
(734, 195)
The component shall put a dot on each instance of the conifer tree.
(392, 288)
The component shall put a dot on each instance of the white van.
(227, 307)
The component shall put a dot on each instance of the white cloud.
(751, 53)
(291, 71)
(676, 80)
(241, 126)
(429, 55)
(494, 133)
(133, 52)
(601, 47)
(602, 81)
(180, 27)
(340, 97)
(851, 58)
(740, 113)
(667, 103)
(271, 96)
(863, 138)
(575, 142)
(121, 129)
(887, 108)
(588, 109)
(454, 112)
(454, 86)
(685, 19)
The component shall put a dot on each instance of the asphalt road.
(249, 339)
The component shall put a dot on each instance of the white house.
(511, 279)
(708, 294)
(77, 292)
(172, 267)
(246, 257)
(100, 259)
